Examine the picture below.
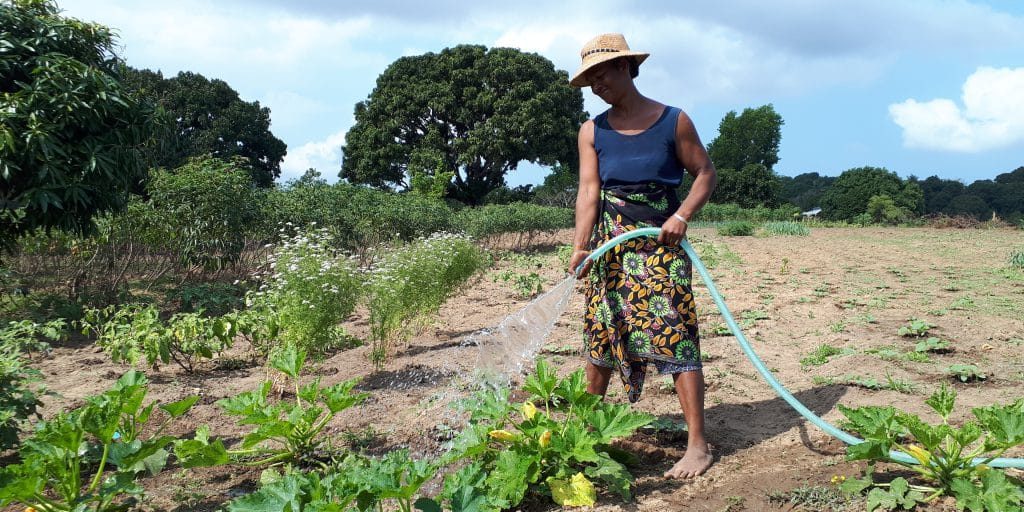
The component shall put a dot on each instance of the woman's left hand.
(672, 232)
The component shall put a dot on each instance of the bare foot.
(694, 462)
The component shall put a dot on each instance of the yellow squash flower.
(545, 439)
(529, 410)
(502, 435)
(919, 453)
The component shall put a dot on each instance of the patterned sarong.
(640, 306)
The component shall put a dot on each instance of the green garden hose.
(759, 365)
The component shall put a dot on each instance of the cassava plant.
(951, 460)
(134, 332)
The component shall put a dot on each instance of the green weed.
(1017, 259)
(822, 354)
(785, 229)
(736, 228)
(966, 372)
(915, 328)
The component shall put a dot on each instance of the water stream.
(504, 351)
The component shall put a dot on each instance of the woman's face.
(606, 79)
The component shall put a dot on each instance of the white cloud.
(992, 115)
(323, 155)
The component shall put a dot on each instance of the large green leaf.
(284, 495)
(996, 493)
(510, 477)
(340, 397)
(289, 360)
(247, 402)
(200, 451)
(942, 400)
(1005, 423)
(868, 450)
(543, 382)
(873, 423)
(176, 409)
(465, 490)
(929, 436)
(612, 473)
(617, 420)
(573, 388)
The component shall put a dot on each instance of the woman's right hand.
(577, 257)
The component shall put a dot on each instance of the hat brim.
(578, 79)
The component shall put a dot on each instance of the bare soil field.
(850, 289)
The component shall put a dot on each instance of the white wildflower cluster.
(311, 284)
(410, 282)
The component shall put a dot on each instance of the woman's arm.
(696, 161)
(587, 198)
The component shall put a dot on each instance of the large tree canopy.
(805, 190)
(851, 192)
(469, 110)
(211, 119)
(70, 134)
(751, 186)
(752, 137)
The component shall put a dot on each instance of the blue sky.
(921, 87)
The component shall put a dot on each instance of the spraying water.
(506, 349)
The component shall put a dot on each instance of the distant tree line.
(1002, 197)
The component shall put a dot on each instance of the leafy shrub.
(212, 298)
(736, 228)
(356, 216)
(20, 383)
(966, 372)
(944, 454)
(716, 212)
(882, 209)
(785, 229)
(1017, 259)
(915, 328)
(19, 394)
(555, 449)
(207, 207)
(29, 336)
(410, 283)
(64, 462)
(496, 219)
(933, 344)
(308, 289)
(525, 285)
(132, 332)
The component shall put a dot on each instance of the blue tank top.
(649, 156)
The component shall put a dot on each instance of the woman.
(640, 307)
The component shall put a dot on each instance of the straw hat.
(603, 48)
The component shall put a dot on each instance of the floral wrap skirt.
(640, 306)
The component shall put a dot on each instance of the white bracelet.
(681, 219)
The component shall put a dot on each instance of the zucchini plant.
(944, 454)
(88, 459)
(559, 448)
(353, 483)
(286, 430)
